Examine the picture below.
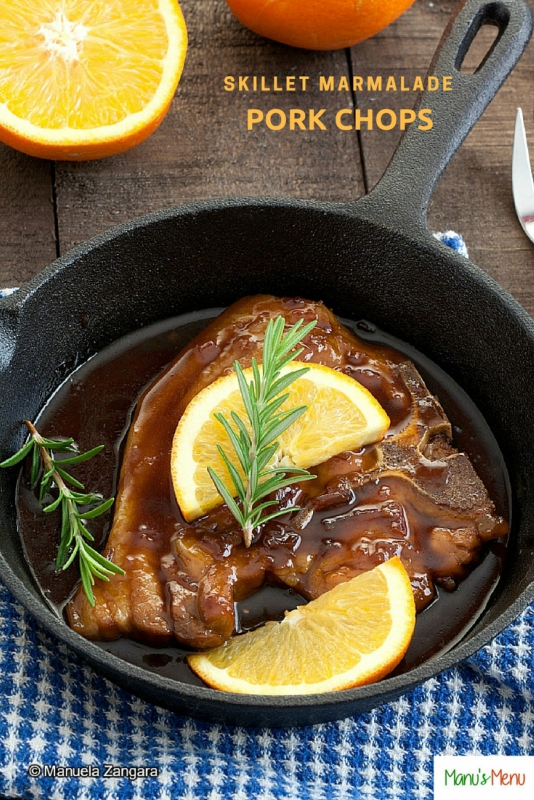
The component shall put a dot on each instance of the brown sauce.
(95, 406)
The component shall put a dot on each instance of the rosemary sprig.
(253, 439)
(49, 472)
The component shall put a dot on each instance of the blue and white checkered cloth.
(54, 709)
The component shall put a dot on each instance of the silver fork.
(522, 183)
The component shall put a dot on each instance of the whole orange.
(318, 24)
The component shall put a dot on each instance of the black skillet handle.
(401, 197)
(9, 320)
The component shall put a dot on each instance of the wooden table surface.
(204, 150)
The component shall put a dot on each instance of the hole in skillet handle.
(482, 37)
(481, 47)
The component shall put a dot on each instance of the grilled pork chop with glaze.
(412, 495)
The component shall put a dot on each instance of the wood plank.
(474, 196)
(203, 148)
(404, 49)
(27, 230)
(475, 193)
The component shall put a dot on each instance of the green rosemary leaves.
(76, 504)
(254, 439)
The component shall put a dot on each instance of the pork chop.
(412, 495)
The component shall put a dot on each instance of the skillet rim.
(332, 703)
(419, 235)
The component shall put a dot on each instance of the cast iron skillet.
(372, 259)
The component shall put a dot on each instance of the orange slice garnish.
(352, 635)
(341, 415)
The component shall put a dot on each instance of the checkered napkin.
(54, 709)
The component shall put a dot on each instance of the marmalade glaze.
(414, 495)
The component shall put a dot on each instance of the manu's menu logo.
(489, 777)
(494, 777)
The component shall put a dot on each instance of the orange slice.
(82, 79)
(341, 415)
(352, 635)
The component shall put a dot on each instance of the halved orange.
(341, 415)
(352, 635)
(83, 79)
